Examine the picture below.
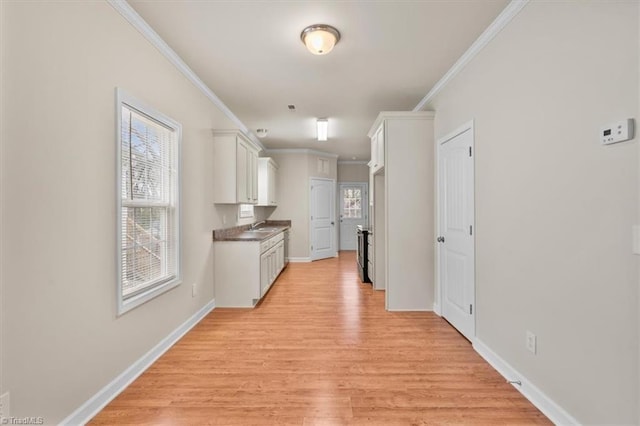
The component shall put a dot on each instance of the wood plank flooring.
(320, 350)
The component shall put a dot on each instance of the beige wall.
(62, 341)
(293, 200)
(294, 171)
(314, 167)
(554, 208)
(350, 172)
(227, 215)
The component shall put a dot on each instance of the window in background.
(352, 203)
(148, 203)
(245, 210)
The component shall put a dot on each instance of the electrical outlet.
(194, 290)
(531, 342)
(4, 406)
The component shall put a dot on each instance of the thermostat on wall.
(617, 132)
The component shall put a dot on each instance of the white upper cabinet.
(377, 148)
(235, 168)
(267, 182)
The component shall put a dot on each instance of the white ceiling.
(250, 55)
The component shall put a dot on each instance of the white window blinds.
(149, 208)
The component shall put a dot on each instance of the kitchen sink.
(266, 229)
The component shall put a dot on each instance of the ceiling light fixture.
(261, 133)
(320, 38)
(323, 129)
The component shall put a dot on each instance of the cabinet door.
(374, 152)
(243, 161)
(273, 265)
(280, 256)
(264, 273)
(380, 147)
(371, 191)
(253, 175)
(271, 179)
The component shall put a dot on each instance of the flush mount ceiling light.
(261, 133)
(320, 38)
(323, 129)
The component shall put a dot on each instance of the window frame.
(123, 99)
(244, 212)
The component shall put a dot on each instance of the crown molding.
(353, 162)
(125, 9)
(399, 115)
(300, 151)
(492, 30)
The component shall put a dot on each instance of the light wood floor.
(320, 350)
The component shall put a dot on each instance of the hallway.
(320, 350)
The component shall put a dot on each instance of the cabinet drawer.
(271, 242)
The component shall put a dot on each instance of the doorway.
(353, 207)
(322, 233)
(456, 222)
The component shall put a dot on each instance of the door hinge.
(469, 151)
(470, 309)
(470, 229)
(311, 247)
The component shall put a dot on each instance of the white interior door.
(352, 198)
(456, 257)
(323, 212)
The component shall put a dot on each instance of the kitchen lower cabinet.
(246, 270)
(271, 264)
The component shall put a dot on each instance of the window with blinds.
(149, 251)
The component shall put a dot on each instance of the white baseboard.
(105, 395)
(553, 411)
(409, 310)
(436, 309)
(299, 259)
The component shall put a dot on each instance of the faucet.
(255, 225)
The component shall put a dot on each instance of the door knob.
(333, 223)
(440, 239)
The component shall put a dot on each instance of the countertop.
(244, 233)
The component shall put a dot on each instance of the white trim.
(125, 99)
(365, 208)
(436, 309)
(268, 152)
(492, 30)
(466, 127)
(409, 310)
(335, 216)
(145, 29)
(353, 162)
(97, 402)
(460, 130)
(399, 115)
(538, 398)
(299, 259)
